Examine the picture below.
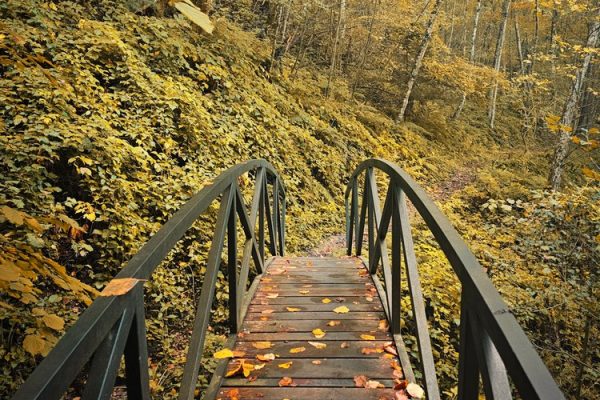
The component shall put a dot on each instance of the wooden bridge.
(303, 328)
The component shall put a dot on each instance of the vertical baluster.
(276, 215)
(269, 217)
(136, 352)
(349, 224)
(396, 263)
(282, 227)
(363, 215)
(355, 209)
(261, 214)
(232, 264)
(371, 226)
(468, 370)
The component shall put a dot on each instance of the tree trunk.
(497, 60)
(336, 45)
(570, 109)
(519, 47)
(365, 50)
(536, 36)
(471, 58)
(419, 60)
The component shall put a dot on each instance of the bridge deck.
(295, 297)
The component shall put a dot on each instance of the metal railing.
(113, 326)
(492, 344)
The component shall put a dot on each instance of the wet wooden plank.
(323, 315)
(373, 368)
(301, 393)
(282, 336)
(338, 349)
(300, 382)
(330, 291)
(264, 300)
(277, 287)
(365, 326)
(282, 308)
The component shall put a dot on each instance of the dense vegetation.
(114, 114)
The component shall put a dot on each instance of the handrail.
(491, 341)
(114, 326)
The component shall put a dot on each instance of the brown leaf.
(371, 350)
(373, 385)
(119, 287)
(383, 325)
(344, 345)
(54, 322)
(233, 369)
(262, 345)
(390, 348)
(34, 344)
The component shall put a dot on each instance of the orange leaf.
(119, 287)
(383, 325)
(286, 381)
(293, 309)
(373, 385)
(367, 337)
(297, 350)
(316, 362)
(334, 323)
(360, 380)
(237, 368)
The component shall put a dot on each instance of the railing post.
(261, 215)
(371, 226)
(282, 228)
(468, 369)
(396, 263)
(232, 263)
(136, 352)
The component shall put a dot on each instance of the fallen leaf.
(247, 368)
(285, 365)
(400, 384)
(319, 333)
(34, 344)
(272, 295)
(265, 357)
(367, 337)
(285, 381)
(262, 345)
(224, 353)
(390, 348)
(373, 385)
(360, 380)
(237, 367)
(119, 287)
(415, 391)
(400, 396)
(267, 311)
(233, 394)
(334, 323)
(341, 310)
(371, 350)
(344, 345)
(369, 298)
(383, 325)
(316, 362)
(304, 291)
(326, 301)
(293, 309)
(318, 345)
(259, 366)
(53, 321)
(297, 350)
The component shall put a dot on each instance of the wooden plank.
(283, 336)
(362, 299)
(365, 326)
(282, 308)
(299, 382)
(300, 393)
(330, 291)
(373, 368)
(323, 315)
(350, 349)
(277, 287)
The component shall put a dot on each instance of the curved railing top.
(524, 365)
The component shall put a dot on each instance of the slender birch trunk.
(471, 58)
(570, 110)
(419, 60)
(497, 61)
(336, 45)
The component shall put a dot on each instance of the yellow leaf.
(224, 353)
(262, 345)
(415, 391)
(590, 173)
(13, 216)
(334, 323)
(293, 309)
(53, 321)
(318, 333)
(272, 295)
(367, 337)
(34, 344)
(304, 291)
(265, 357)
(286, 365)
(297, 350)
(341, 310)
(188, 9)
(118, 287)
(326, 301)
(247, 368)
(318, 345)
